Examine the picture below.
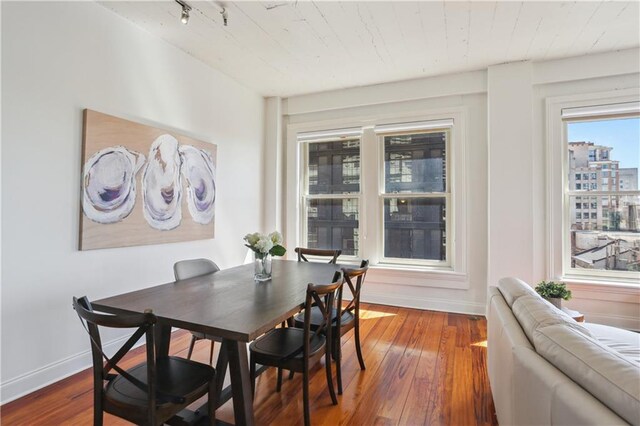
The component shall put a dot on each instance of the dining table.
(229, 304)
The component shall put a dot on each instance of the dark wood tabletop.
(227, 303)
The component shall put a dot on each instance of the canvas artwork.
(143, 185)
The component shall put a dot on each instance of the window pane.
(609, 238)
(415, 163)
(608, 147)
(334, 167)
(414, 228)
(333, 224)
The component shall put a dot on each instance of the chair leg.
(305, 395)
(213, 344)
(338, 358)
(291, 373)
(252, 375)
(98, 414)
(212, 403)
(191, 345)
(279, 382)
(358, 348)
(327, 361)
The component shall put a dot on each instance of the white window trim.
(557, 164)
(451, 277)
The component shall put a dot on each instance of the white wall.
(57, 59)
(510, 149)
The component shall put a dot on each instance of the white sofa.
(546, 369)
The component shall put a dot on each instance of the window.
(332, 195)
(415, 196)
(585, 176)
(578, 176)
(384, 193)
(610, 245)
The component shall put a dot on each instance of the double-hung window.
(415, 192)
(382, 192)
(603, 140)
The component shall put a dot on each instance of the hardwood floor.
(423, 367)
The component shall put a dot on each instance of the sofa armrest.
(543, 395)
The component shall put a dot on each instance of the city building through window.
(332, 195)
(414, 196)
(607, 147)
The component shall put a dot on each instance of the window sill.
(602, 285)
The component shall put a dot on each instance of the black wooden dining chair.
(297, 349)
(343, 319)
(304, 252)
(190, 268)
(150, 393)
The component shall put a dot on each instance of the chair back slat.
(355, 287)
(303, 252)
(322, 296)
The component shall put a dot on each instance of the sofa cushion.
(513, 288)
(624, 342)
(601, 371)
(533, 312)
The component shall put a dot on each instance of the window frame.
(559, 193)
(383, 195)
(305, 196)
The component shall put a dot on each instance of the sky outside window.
(623, 135)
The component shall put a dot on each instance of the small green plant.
(550, 290)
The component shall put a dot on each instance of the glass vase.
(262, 266)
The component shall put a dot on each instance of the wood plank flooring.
(423, 367)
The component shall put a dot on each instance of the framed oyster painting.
(143, 185)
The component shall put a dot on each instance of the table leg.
(221, 371)
(162, 338)
(240, 382)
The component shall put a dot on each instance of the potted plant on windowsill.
(554, 292)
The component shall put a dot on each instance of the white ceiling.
(289, 48)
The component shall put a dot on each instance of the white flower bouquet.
(262, 244)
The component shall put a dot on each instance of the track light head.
(184, 17)
(225, 16)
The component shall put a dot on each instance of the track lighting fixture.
(184, 18)
(225, 16)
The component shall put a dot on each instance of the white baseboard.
(431, 304)
(29, 382)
